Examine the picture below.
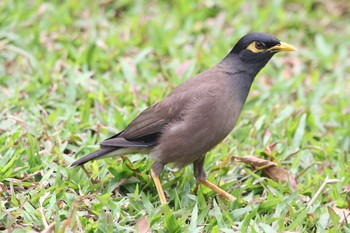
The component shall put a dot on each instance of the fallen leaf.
(346, 189)
(344, 214)
(304, 198)
(258, 200)
(143, 225)
(255, 161)
(268, 150)
(50, 228)
(2, 188)
(269, 169)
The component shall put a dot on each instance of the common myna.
(197, 115)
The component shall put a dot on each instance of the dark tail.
(94, 155)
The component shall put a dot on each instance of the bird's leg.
(155, 172)
(199, 173)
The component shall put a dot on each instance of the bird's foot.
(159, 188)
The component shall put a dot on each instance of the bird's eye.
(259, 45)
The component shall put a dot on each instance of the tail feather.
(99, 154)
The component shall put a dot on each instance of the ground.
(74, 72)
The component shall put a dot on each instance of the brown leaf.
(268, 150)
(269, 169)
(304, 198)
(2, 188)
(50, 228)
(143, 225)
(344, 214)
(258, 200)
(255, 161)
(346, 189)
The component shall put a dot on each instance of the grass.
(74, 72)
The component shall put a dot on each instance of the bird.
(196, 116)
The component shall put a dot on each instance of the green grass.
(74, 72)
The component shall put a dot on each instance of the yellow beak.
(282, 46)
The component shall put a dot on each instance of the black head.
(256, 49)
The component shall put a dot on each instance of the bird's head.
(256, 49)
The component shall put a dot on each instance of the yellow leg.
(218, 190)
(159, 188)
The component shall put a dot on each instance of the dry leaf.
(142, 225)
(50, 228)
(304, 198)
(258, 200)
(255, 161)
(269, 169)
(2, 188)
(344, 214)
(346, 189)
(268, 150)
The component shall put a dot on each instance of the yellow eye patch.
(252, 48)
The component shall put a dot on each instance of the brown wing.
(145, 129)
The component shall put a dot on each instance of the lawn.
(74, 72)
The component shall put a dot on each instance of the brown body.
(206, 114)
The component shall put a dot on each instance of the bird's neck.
(241, 74)
(232, 64)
